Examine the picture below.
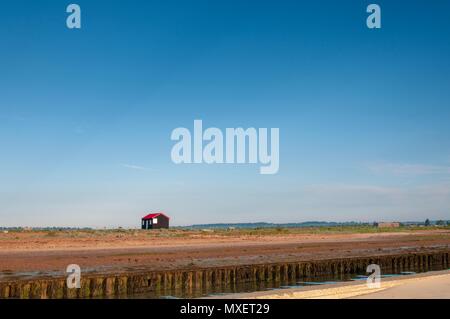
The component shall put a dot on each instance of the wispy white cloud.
(14, 117)
(136, 167)
(353, 189)
(79, 130)
(408, 169)
(436, 189)
(376, 202)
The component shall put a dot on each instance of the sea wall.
(165, 282)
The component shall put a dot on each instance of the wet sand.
(430, 285)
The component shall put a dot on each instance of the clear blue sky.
(86, 115)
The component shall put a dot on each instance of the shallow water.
(273, 285)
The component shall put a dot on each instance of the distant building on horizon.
(387, 224)
(155, 221)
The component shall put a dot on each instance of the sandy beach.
(430, 285)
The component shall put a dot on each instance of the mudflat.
(129, 250)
